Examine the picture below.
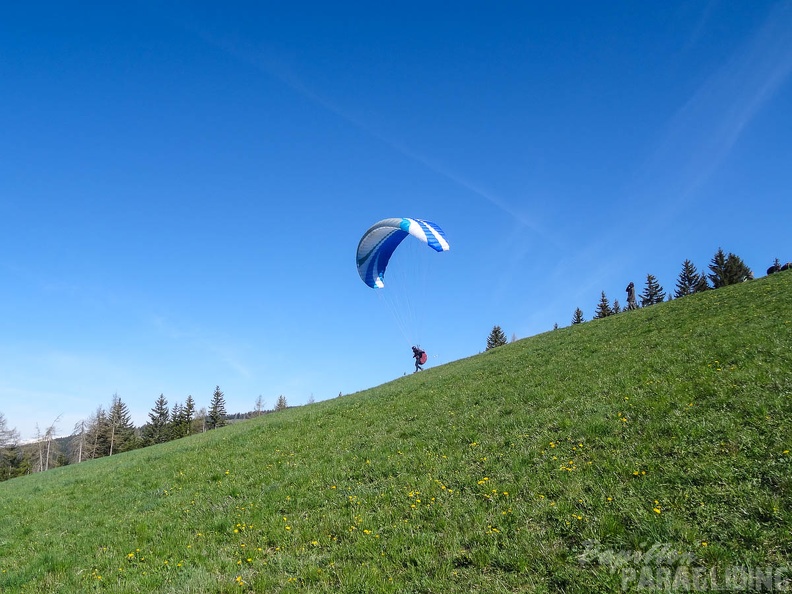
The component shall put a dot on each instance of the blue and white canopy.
(378, 244)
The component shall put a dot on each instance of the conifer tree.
(717, 268)
(603, 309)
(176, 424)
(122, 431)
(577, 317)
(689, 280)
(727, 270)
(702, 285)
(496, 338)
(616, 307)
(188, 412)
(156, 430)
(281, 403)
(216, 417)
(736, 270)
(653, 292)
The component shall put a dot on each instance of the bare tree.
(79, 429)
(259, 405)
(200, 418)
(96, 434)
(49, 436)
(8, 437)
(40, 447)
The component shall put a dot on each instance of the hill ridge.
(526, 468)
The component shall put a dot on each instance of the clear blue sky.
(183, 185)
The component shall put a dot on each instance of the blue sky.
(183, 185)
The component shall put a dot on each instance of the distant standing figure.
(420, 358)
(631, 304)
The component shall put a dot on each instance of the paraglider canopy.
(378, 244)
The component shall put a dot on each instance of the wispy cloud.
(701, 136)
(267, 63)
(203, 341)
(705, 130)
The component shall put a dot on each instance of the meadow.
(623, 454)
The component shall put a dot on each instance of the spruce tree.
(189, 414)
(603, 309)
(217, 412)
(653, 292)
(577, 317)
(727, 270)
(156, 431)
(702, 285)
(736, 270)
(176, 424)
(281, 403)
(122, 431)
(496, 338)
(689, 280)
(717, 268)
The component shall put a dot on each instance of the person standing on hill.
(420, 358)
(631, 304)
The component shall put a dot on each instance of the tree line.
(110, 431)
(724, 269)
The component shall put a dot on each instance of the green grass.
(528, 468)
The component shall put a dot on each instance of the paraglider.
(420, 358)
(407, 290)
(378, 244)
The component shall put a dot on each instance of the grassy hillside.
(568, 461)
